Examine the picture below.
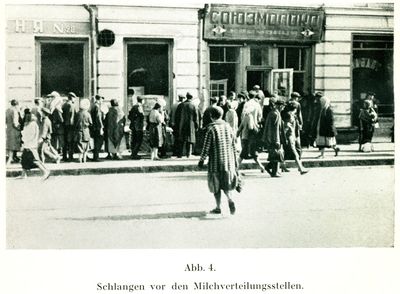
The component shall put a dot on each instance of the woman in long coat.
(219, 146)
(326, 130)
(82, 124)
(115, 123)
(57, 120)
(13, 131)
(368, 118)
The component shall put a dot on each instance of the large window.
(224, 62)
(299, 59)
(62, 67)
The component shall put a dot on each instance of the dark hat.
(14, 102)
(71, 94)
(46, 111)
(213, 99)
(295, 95)
(371, 93)
(181, 96)
(98, 97)
(319, 94)
(189, 96)
(114, 102)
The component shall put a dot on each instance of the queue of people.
(257, 121)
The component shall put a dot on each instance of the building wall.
(178, 24)
(20, 43)
(333, 56)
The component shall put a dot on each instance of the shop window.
(297, 58)
(224, 62)
(148, 67)
(62, 67)
(218, 87)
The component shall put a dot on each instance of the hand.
(101, 132)
(201, 163)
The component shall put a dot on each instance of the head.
(325, 102)
(131, 92)
(222, 100)
(290, 107)
(157, 106)
(256, 88)
(318, 95)
(38, 102)
(295, 96)
(213, 100)
(216, 113)
(243, 96)
(181, 98)
(114, 103)
(231, 96)
(277, 102)
(71, 96)
(14, 102)
(367, 104)
(189, 96)
(84, 104)
(98, 99)
(252, 94)
(370, 96)
(139, 99)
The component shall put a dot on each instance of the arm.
(206, 146)
(15, 120)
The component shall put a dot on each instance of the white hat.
(84, 104)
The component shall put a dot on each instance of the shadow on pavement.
(201, 215)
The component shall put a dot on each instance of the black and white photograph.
(196, 125)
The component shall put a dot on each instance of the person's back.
(68, 113)
(136, 117)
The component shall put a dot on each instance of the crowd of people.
(54, 129)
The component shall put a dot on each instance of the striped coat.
(220, 148)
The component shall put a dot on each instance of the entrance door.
(282, 82)
(257, 77)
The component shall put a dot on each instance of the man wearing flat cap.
(188, 125)
(273, 135)
(69, 112)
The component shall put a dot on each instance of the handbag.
(276, 155)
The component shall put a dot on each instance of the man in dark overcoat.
(69, 112)
(188, 125)
(97, 126)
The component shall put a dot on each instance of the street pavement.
(328, 207)
(348, 156)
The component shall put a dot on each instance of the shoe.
(337, 149)
(109, 156)
(46, 175)
(284, 169)
(263, 170)
(215, 211)
(303, 172)
(232, 207)
(269, 171)
(320, 156)
(276, 175)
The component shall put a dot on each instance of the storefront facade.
(209, 50)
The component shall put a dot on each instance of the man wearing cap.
(97, 131)
(207, 113)
(69, 113)
(273, 135)
(174, 124)
(45, 127)
(188, 125)
(136, 117)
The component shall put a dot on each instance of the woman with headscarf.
(30, 157)
(13, 131)
(219, 147)
(326, 130)
(115, 123)
(368, 118)
(82, 124)
(156, 120)
(57, 120)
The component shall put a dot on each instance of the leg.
(217, 197)
(10, 157)
(231, 204)
(322, 150)
(45, 171)
(23, 175)
(189, 149)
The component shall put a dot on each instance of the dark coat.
(273, 131)
(97, 118)
(326, 123)
(136, 116)
(57, 121)
(82, 123)
(69, 113)
(189, 122)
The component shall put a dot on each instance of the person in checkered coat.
(219, 147)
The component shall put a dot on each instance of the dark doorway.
(62, 68)
(257, 77)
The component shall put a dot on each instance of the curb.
(194, 167)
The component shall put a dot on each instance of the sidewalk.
(348, 156)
